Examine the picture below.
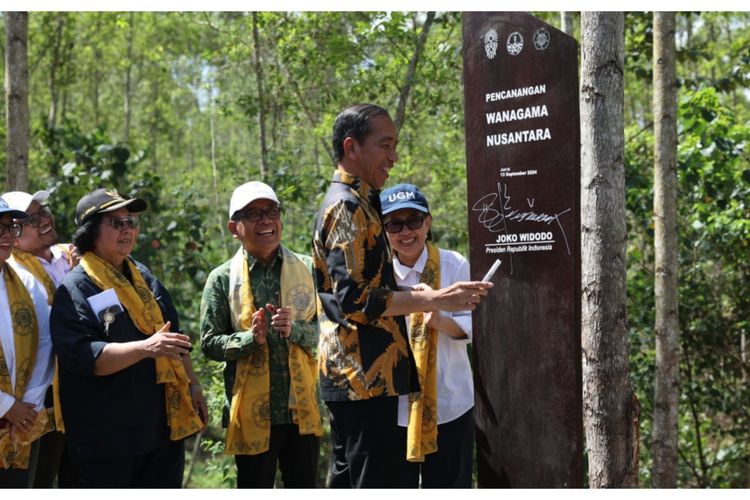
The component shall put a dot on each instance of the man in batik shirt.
(363, 354)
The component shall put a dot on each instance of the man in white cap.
(37, 249)
(25, 361)
(258, 316)
(38, 252)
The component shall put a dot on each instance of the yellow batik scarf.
(249, 430)
(421, 433)
(15, 446)
(140, 303)
(32, 264)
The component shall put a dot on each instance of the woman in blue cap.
(437, 422)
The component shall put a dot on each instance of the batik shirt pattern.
(221, 343)
(361, 353)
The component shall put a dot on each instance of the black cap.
(103, 200)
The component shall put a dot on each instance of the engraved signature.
(495, 210)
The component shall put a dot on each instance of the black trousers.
(51, 447)
(159, 468)
(52, 457)
(297, 457)
(364, 442)
(21, 478)
(67, 473)
(450, 466)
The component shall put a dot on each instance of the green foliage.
(714, 289)
(714, 229)
(193, 136)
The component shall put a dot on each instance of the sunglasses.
(254, 215)
(396, 226)
(13, 228)
(119, 223)
(39, 218)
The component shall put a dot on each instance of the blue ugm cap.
(403, 196)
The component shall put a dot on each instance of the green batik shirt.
(220, 342)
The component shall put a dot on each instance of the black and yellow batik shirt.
(361, 353)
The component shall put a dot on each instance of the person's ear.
(428, 221)
(350, 147)
(232, 227)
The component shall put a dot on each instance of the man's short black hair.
(355, 122)
(87, 233)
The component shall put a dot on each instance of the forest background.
(180, 108)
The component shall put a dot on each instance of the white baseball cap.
(249, 192)
(18, 200)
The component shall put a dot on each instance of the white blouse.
(455, 386)
(41, 375)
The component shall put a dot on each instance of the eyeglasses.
(39, 218)
(118, 223)
(13, 228)
(254, 215)
(396, 226)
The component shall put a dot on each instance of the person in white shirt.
(38, 252)
(20, 413)
(445, 460)
(39, 238)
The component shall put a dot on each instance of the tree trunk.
(17, 100)
(68, 71)
(128, 83)
(96, 74)
(566, 22)
(411, 71)
(610, 408)
(666, 394)
(743, 358)
(302, 101)
(53, 71)
(261, 100)
(214, 168)
(153, 139)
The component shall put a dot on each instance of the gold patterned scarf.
(15, 446)
(249, 430)
(32, 264)
(140, 303)
(421, 433)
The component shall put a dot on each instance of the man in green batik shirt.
(265, 328)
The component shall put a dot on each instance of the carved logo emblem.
(514, 43)
(541, 39)
(490, 43)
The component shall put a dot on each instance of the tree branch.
(411, 71)
(696, 423)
